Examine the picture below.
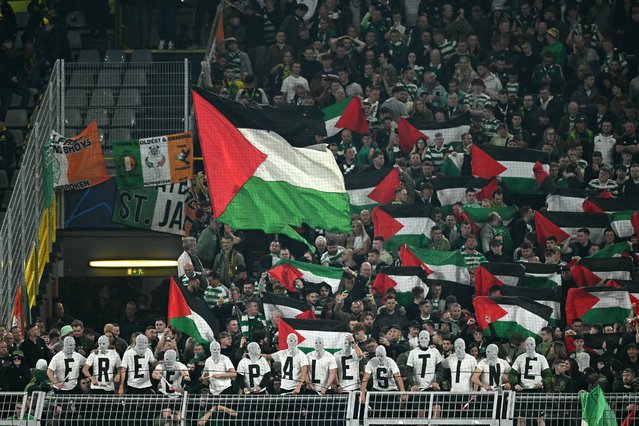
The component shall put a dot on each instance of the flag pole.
(210, 48)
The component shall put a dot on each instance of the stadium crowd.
(554, 76)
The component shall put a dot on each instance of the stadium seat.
(115, 57)
(123, 118)
(135, 78)
(102, 115)
(75, 98)
(72, 118)
(116, 135)
(75, 40)
(16, 118)
(110, 78)
(140, 57)
(18, 135)
(101, 98)
(17, 99)
(75, 19)
(82, 79)
(129, 98)
(89, 55)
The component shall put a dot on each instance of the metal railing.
(129, 100)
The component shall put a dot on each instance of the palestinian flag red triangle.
(353, 118)
(544, 181)
(409, 258)
(483, 165)
(190, 315)
(546, 229)
(583, 277)
(384, 192)
(590, 207)
(485, 307)
(283, 331)
(579, 302)
(484, 280)
(286, 274)
(488, 190)
(225, 179)
(408, 135)
(385, 225)
(634, 221)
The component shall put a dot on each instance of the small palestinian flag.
(440, 265)
(451, 130)
(403, 279)
(190, 315)
(287, 271)
(614, 250)
(550, 297)
(562, 225)
(568, 200)
(408, 135)
(514, 165)
(541, 275)
(403, 224)
(451, 190)
(287, 306)
(346, 114)
(492, 274)
(509, 314)
(609, 205)
(625, 223)
(591, 271)
(369, 189)
(597, 305)
(333, 332)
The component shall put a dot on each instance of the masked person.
(347, 361)
(461, 367)
(171, 374)
(65, 367)
(528, 374)
(426, 364)
(218, 371)
(491, 371)
(322, 368)
(135, 370)
(386, 377)
(101, 367)
(294, 368)
(254, 372)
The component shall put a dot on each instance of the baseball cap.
(66, 330)
(415, 324)
(553, 32)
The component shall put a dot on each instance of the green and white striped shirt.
(213, 294)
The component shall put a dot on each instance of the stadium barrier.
(388, 408)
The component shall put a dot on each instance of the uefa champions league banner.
(155, 161)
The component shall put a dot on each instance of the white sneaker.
(161, 46)
(171, 46)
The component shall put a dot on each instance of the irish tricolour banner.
(154, 161)
(160, 209)
(74, 163)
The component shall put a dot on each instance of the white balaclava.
(460, 348)
(530, 346)
(254, 351)
(103, 344)
(424, 339)
(380, 354)
(41, 365)
(170, 358)
(69, 346)
(216, 351)
(141, 344)
(319, 346)
(348, 344)
(492, 354)
(291, 340)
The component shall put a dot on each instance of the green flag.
(595, 410)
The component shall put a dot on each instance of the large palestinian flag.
(597, 305)
(541, 275)
(491, 274)
(609, 205)
(402, 279)
(403, 224)
(371, 188)
(287, 306)
(510, 314)
(562, 225)
(631, 286)
(440, 265)
(625, 223)
(287, 271)
(264, 169)
(590, 271)
(333, 332)
(550, 297)
(514, 165)
(190, 315)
